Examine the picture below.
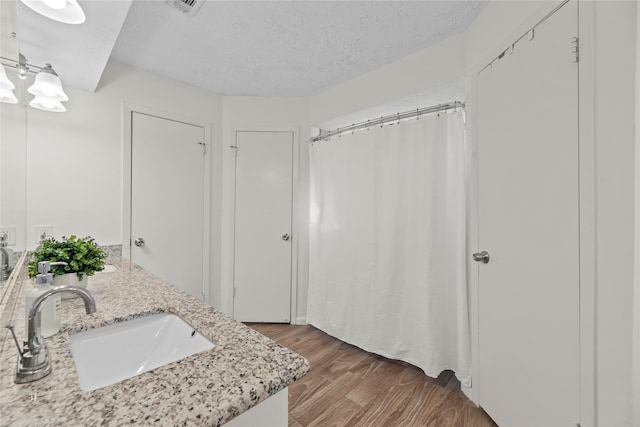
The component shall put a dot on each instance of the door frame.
(228, 217)
(587, 200)
(128, 110)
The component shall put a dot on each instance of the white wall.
(75, 159)
(614, 168)
(435, 66)
(12, 169)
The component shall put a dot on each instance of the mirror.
(12, 152)
(60, 173)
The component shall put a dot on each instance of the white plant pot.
(70, 279)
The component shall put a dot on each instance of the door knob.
(482, 257)
(139, 242)
(285, 237)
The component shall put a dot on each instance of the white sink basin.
(112, 353)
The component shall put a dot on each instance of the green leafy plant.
(82, 255)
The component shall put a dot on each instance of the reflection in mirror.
(12, 151)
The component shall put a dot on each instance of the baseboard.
(467, 391)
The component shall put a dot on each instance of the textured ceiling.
(262, 48)
(8, 27)
(283, 48)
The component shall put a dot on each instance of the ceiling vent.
(187, 7)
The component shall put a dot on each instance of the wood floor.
(347, 386)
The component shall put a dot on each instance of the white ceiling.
(262, 48)
(78, 53)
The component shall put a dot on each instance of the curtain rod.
(387, 119)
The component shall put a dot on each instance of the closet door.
(168, 200)
(262, 235)
(528, 223)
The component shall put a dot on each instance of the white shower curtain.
(387, 262)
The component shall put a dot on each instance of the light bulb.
(47, 104)
(67, 11)
(48, 89)
(48, 84)
(55, 4)
(7, 96)
(6, 88)
(4, 80)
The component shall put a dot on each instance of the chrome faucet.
(33, 360)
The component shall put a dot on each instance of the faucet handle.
(45, 266)
(20, 351)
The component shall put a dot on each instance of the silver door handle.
(285, 237)
(482, 257)
(139, 242)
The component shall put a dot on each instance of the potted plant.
(82, 255)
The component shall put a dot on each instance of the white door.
(528, 223)
(167, 200)
(263, 199)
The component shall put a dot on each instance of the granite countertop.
(209, 388)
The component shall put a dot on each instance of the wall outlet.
(8, 235)
(43, 232)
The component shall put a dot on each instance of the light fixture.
(47, 104)
(22, 66)
(46, 87)
(67, 11)
(6, 88)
